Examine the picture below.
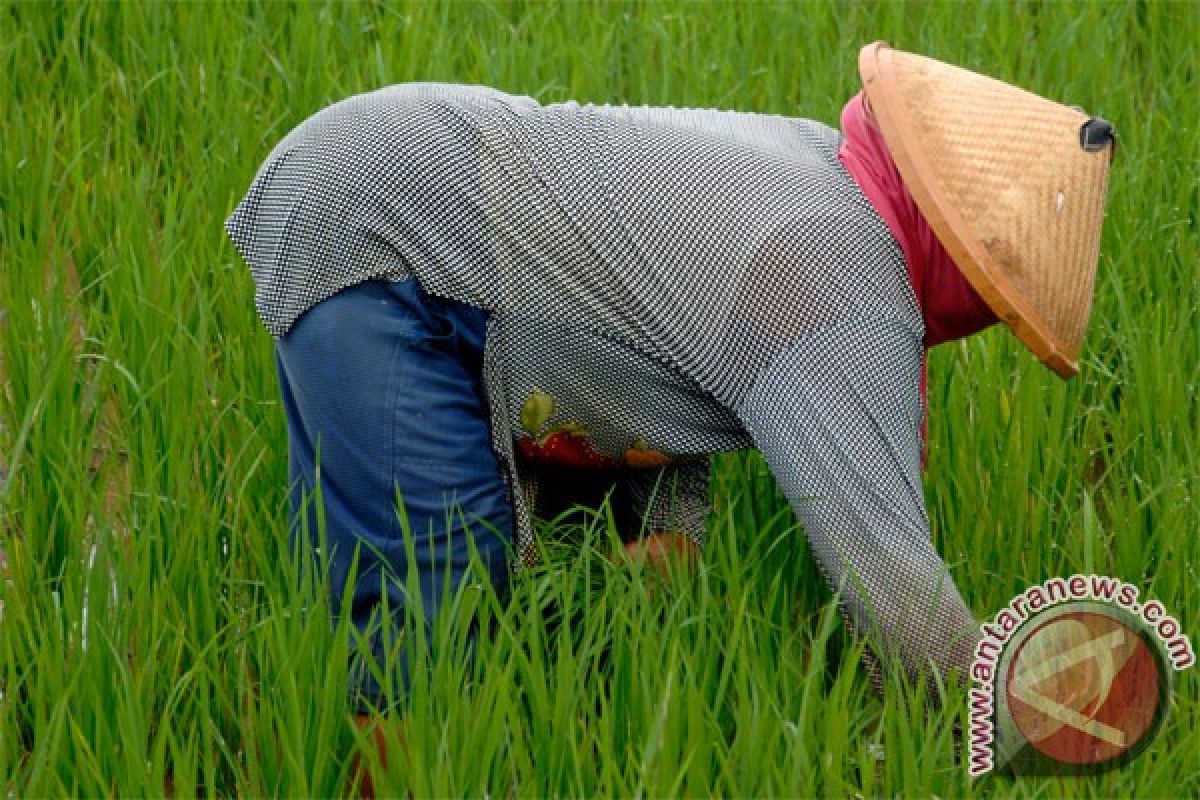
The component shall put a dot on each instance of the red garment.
(949, 305)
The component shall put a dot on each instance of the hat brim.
(901, 134)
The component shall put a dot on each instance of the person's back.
(707, 239)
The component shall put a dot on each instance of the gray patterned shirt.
(661, 284)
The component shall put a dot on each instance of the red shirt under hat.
(949, 305)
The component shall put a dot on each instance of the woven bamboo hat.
(1012, 184)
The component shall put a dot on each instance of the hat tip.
(1064, 367)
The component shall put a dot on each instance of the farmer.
(469, 288)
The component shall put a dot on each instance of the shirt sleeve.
(837, 417)
(673, 498)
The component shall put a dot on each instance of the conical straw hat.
(1012, 184)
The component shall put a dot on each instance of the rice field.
(157, 637)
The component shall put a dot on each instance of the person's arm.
(660, 511)
(672, 499)
(672, 503)
(837, 417)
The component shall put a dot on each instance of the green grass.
(152, 637)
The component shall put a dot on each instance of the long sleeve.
(672, 498)
(837, 417)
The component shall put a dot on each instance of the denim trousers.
(387, 419)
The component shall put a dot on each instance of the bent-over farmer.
(467, 287)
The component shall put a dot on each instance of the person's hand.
(662, 549)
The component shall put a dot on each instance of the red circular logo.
(1084, 688)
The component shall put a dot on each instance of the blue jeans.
(382, 390)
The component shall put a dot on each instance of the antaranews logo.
(1073, 676)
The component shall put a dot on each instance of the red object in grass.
(565, 445)
(565, 448)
